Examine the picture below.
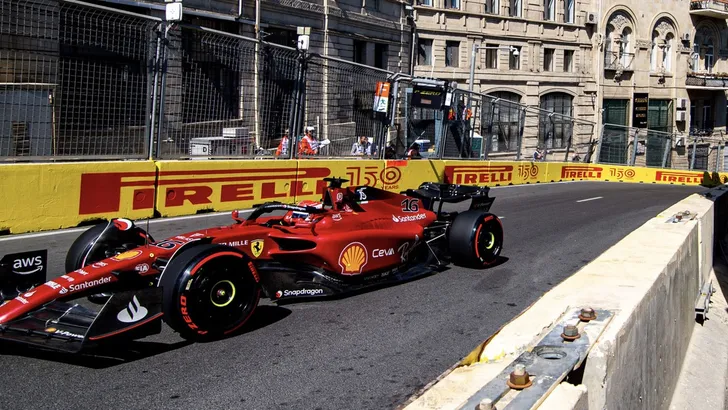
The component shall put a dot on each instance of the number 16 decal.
(411, 205)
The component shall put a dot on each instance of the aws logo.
(28, 266)
(353, 258)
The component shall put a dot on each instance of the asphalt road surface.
(370, 351)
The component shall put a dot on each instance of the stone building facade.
(551, 69)
(589, 59)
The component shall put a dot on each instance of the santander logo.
(133, 313)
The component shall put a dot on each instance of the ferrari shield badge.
(256, 247)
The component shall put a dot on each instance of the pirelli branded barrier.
(40, 197)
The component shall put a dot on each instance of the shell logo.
(127, 255)
(353, 258)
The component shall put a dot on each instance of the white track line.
(211, 214)
(590, 199)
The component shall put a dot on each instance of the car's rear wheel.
(209, 291)
(475, 239)
(114, 242)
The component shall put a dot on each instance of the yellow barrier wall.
(186, 187)
(51, 196)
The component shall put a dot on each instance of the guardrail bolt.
(485, 404)
(520, 379)
(587, 314)
(570, 332)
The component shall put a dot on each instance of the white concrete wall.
(650, 280)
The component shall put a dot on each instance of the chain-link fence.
(85, 81)
(700, 151)
(74, 80)
(482, 126)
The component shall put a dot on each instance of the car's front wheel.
(475, 239)
(209, 291)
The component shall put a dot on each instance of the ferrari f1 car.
(207, 284)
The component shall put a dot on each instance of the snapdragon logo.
(90, 284)
(408, 218)
(299, 292)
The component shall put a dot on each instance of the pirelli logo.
(102, 192)
(479, 174)
(581, 172)
(678, 177)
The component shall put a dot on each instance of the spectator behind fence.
(308, 144)
(283, 146)
(362, 147)
(414, 151)
(538, 154)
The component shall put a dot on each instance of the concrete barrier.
(650, 281)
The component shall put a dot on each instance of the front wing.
(71, 328)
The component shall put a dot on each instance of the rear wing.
(430, 192)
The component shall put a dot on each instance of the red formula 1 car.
(207, 284)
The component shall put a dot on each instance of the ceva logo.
(34, 264)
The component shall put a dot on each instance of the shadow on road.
(122, 352)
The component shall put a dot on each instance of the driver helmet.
(303, 215)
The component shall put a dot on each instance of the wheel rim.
(220, 295)
(487, 242)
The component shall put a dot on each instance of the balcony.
(710, 8)
(706, 81)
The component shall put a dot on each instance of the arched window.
(703, 58)
(653, 51)
(555, 120)
(608, 45)
(507, 118)
(667, 53)
(709, 55)
(625, 47)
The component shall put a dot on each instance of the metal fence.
(700, 151)
(485, 127)
(82, 81)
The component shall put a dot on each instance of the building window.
(506, 121)
(549, 10)
(569, 11)
(424, 3)
(653, 51)
(492, 7)
(381, 56)
(548, 59)
(515, 8)
(568, 61)
(452, 54)
(615, 133)
(452, 4)
(659, 118)
(360, 52)
(703, 51)
(667, 55)
(555, 120)
(624, 48)
(424, 51)
(514, 61)
(491, 56)
(709, 57)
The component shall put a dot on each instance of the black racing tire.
(112, 245)
(475, 239)
(209, 291)
(79, 247)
